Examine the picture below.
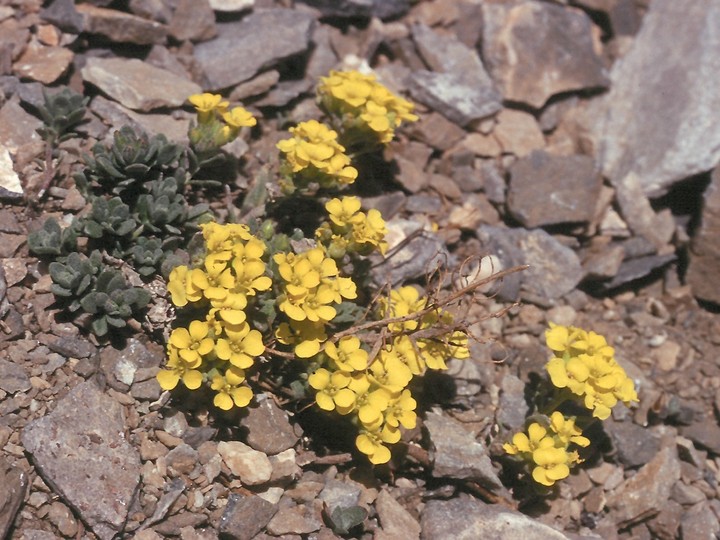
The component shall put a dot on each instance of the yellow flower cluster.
(546, 448)
(420, 353)
(223, 345)
(376, 394)
(216, 125)
(311, 287)
(584, 363)
(314, 155)
(349, 229)
(363, 104)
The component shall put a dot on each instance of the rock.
(635, 445)
(81, 451)
(268, 426)
(43, 64)
(705, 433)
(62, 13)
(535, 50)
(382, 9)
(244, 48)
(410, 175)
(437, 132)
(250, 466)
(13, 378)
(293, 520)
(60, 516)
(603, 259)
(458, 454)
(422, 254)
(17, 127)
(465, 518)
(284, 92)
(245, 516)
(14, 484)
(451, 96)
(126, 81)
(70, 347)
(340, 494)
(554, 269)
(231, 5)
(395, 520)
(120, 365)
(568, 186)
(182, 458)
(121, 27)
(699, 523)
(10, 186)
(633, 269)
(193, 20)
(666, 524)
(285, 467)
(704, 249)
(667, 138)
(642, 495)
(518, 132)
(513, 408)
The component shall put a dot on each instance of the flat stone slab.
(126, 81)
(81, 451)
(659, 118)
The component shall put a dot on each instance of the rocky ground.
(577, 137)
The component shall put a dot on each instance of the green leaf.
(345, 518)
(99, 326)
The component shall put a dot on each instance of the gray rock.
(382, 9)
(81, 452)
(457, 453)
(68, 346)
(172, 494)
(513, 408)
(231, 5)
(268, 426)
(670, 136)
(642, 495)
(120, 365)
(193, 20)
(244, 48)
(451, 96)
(699, 523)
(705, 433)
(635, 445)
(705, 249)
(340, 494)
(395, 520)
(568, 187)
(640, 267)
(62, 13)
(535, 50)
(10, 186)
(17, 127)
(554, 269)
(666, 524)
(126, 81)
(465, 518)
(121, 27)
(13, 378)
(245, 516)
(14, 484)
(294, 520)
(444, 53)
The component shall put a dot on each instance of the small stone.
(482, 145)
(12, 494)
(294, 520)
(182, 458)
(699, 523)
(126, 81)
(635, 445)
(244, 48)
(704, 252)
(193, 20)
(250, 466)
(382, 9)
(70, 347)
(245, 516)
(643, 495)
(231, 5)
(437, 132)
(513, 408)
(451, 96)
(705, 433)
(60, 516)
(340, 494)
(457, 453)
(518, 132)
(268, 426)
(121, 27)
(568, 185)
(62, 13)
(284, 466)
(536, 50)
(395, 520)
(666, 524)
(17, 128)
(83, 437)
(666, 355)
(43, 64)
(410, 175)
(13, 378)
(633, 269)
(465, 517)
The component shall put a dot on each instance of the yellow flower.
(206, 104)
(238, 118)
(347, 354)
(240, 347)
(552, 465)
(342, 211)
(193, 342)
(229, 391)
(306, 336)
(522, 443)
(332, 389)
(401, 411)
(390, 372)
(566, 430)
(179, 370)
(370, 443)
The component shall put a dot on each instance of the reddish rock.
(705, 248)
(121, 27)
